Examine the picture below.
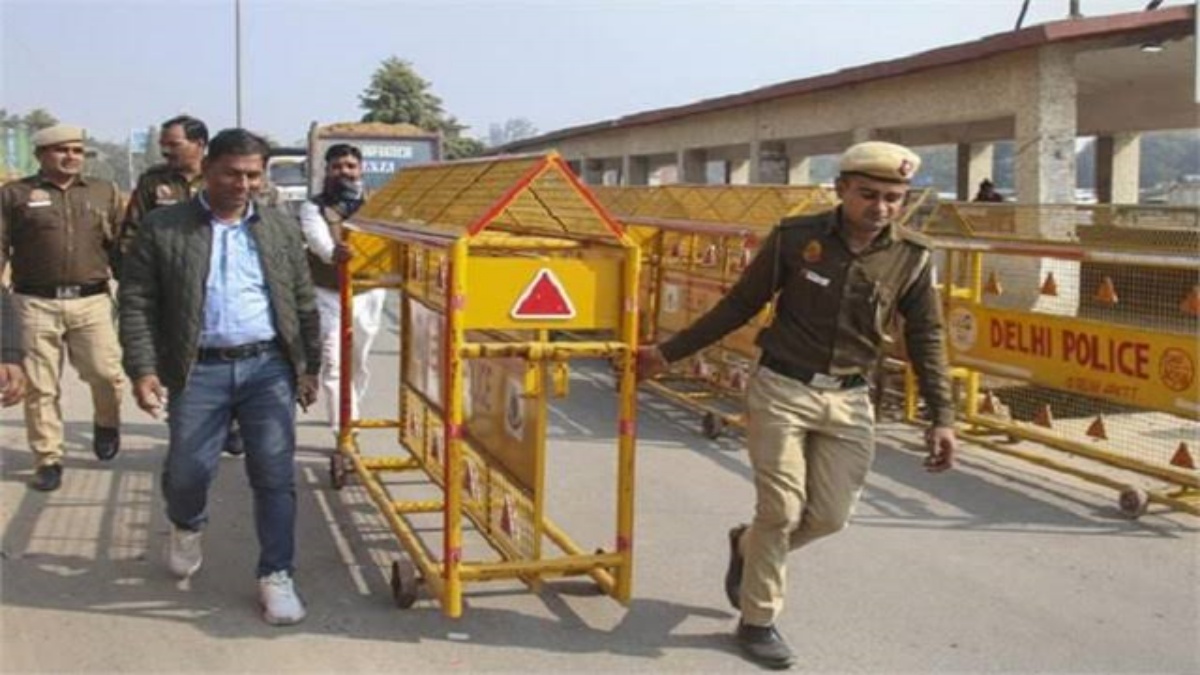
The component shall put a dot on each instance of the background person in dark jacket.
(12, 375)
(217, 306)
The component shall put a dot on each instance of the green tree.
(398, 95)
(513, 129)
(39, 118)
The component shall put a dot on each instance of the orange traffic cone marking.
(1107, 293)
(993, 287)
(988, 406)
(1183, 457)
(1191, 304)
(1049, 286)
(710, 255)
(1044, 418)
(1097, 430)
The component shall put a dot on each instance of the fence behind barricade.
(1076, 327)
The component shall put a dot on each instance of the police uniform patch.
(164, 195)
(39, 197)
(812, 252)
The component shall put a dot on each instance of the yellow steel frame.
(491, 218)
(727, 213)
(1184, 496)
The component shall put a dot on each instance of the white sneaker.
(281, 606)
(183, 552)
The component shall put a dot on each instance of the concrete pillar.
(635, 170)
(740, 170)
(799, 170)
(861, 135)
(975, 162)
(591, 171)
(768, 163)
(1118, 168)
(691, 166)
(1045, 128)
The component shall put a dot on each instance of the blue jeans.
(260, 393)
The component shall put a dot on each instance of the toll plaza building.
(1110, 77)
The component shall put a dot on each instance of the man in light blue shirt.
(217, 301)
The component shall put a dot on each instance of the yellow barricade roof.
(523, 194)
(747, 205)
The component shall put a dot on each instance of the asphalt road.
(999, 567)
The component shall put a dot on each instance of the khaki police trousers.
(86, 328)
(810, 450)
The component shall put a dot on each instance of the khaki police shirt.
(57, 237)
(159, 186)
(833, 306)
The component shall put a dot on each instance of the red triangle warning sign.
(544, 298)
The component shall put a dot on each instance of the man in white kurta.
(321, 220)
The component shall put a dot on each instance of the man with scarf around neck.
(321, 221)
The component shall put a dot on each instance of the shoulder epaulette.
(915, 238)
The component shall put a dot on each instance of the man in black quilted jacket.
(219, 322)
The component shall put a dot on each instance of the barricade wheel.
(712, 426)
(337, 471)
(404, 583)
(1133, 502)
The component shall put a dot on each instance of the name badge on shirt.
(816, 278)
(38, 198)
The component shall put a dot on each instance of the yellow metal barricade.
(495, 259)
(696, 240)
(1076, 327)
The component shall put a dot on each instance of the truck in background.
(386, 149)
(287, 178)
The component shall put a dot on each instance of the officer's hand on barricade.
(150, 395)
(650, 362)
(342, 253)
(12, 384)
(306, 391)
(942, 444)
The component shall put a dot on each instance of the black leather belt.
(246, 351)
(63, 292)
(807, 376)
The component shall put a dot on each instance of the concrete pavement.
(998, 567)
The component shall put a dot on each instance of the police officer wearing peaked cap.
(836, 279)
(58, 228)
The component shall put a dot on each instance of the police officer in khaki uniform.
(58, 227)
(182, 141)
(836, 279)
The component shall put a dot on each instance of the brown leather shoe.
(47, 478)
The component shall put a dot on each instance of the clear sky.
(112, 65)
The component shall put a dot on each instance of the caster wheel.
(404, 583)
(712, 426)
(337, 472)
(1133, 502)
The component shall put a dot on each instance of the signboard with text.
(1117, 363)
(381, 157)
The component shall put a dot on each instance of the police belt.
(237, 353)
(812, 379)
(69, 292)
